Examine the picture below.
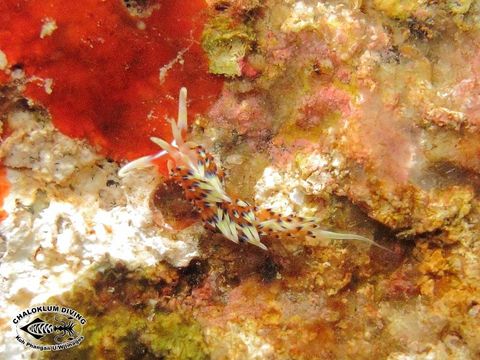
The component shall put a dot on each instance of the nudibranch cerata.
(202, 181)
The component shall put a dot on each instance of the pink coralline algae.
(326, 100)
(245, 113)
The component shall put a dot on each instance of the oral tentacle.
(143, 162)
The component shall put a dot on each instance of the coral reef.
(362, 114)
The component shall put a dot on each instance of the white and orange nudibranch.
(202, 181)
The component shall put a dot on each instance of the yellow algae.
(400, 9)
(459, 6)
(226, 43)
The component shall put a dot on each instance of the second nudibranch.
(202, 181)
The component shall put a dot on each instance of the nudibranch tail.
(343, 236)
(196, 172)
(275, 224)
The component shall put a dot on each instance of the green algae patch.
(126, 318)
(125, 334)
(226, 43)
(168, 336)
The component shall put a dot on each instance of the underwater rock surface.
(362, 114)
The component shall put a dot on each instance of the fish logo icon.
(39, 328)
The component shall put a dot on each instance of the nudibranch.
(202, 181)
